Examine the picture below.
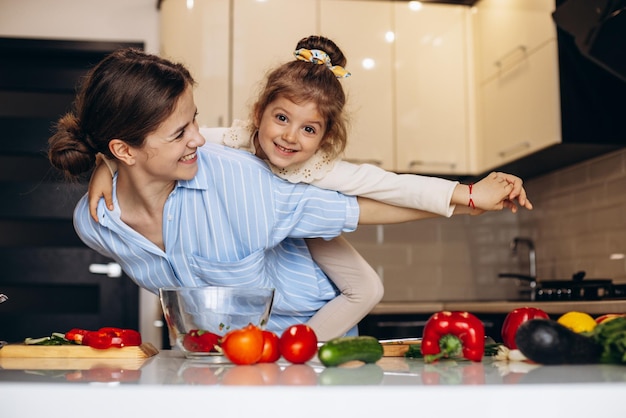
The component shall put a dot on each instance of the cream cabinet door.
(265, 35)
(518, 81)
(199, 38)
(520, 108)
(432, 89)
(507, 30)
(363, 30)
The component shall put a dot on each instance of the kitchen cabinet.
(407, 100)
(198, 37)
(265, 34)
(517, 75)
(433, 89)
(364, 39)
(409, 96)
(229, 46)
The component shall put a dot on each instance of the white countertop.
(168, 385)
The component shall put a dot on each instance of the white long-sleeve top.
(431, 194)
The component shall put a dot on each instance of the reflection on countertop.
(170, 385)
(597, 307)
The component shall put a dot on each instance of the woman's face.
(290, 133)
(170, 151)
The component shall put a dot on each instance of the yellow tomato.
(577, 321)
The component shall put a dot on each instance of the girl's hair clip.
(317, 56)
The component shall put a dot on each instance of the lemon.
(577, 321)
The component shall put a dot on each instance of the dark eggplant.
(545, 341)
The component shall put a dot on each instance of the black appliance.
(599, 31)
(577, 288)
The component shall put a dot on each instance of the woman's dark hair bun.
(67, 150)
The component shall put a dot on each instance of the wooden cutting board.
(398, 348)
(143, 351)
(59, 363)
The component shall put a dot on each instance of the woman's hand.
(100, 185)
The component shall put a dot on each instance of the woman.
(190, 217)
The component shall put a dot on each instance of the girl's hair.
(125, 96)
(301, 81)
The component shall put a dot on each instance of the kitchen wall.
(579, 221)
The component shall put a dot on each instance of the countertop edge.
(497, 307)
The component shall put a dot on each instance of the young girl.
(299, 128)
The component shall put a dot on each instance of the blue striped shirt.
(234, 224)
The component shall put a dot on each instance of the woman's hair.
(301, 81)
(125, 96)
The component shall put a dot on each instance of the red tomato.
(514, 319)
(243, 346)
(298, 343)
(200, 341)
(271, 352)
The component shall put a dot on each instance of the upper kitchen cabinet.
(364, 32)
(265, 34)
(230, 45)
(433, 89)
(508, 30)
(517, 74)
(199, 37)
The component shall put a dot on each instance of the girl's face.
(169, 153)
(290, 133)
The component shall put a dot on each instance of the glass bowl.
(190, 311)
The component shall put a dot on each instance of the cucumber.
(344, 349)
(545, 341)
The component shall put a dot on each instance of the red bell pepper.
(76, 335)
(453, 334)
(514, 319)
(108, 337)
(607, 317)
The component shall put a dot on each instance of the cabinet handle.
(379, 163)
(518, 49)
(111, 269)
(514, 149)
(414, 163)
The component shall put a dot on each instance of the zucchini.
(341, 350)
(545, 341)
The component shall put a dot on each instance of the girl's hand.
(100, 185)
(498, 191)
(518, 191)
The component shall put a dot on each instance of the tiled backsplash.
(579, 221)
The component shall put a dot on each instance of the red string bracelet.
(471, 201)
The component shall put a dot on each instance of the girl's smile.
(290, 133)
